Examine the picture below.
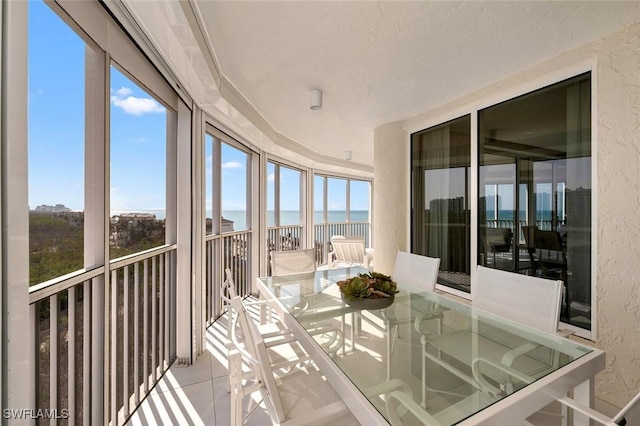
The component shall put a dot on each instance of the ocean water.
(287, 217)
(508, 214)
(292, 217)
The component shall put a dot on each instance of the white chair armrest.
(331, 260)
(387, 387)
(479, 377)
(397, 398)
(434, 314)
(509, 357)
(367, 261)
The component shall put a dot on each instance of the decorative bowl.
(369, 303)
(370, 290)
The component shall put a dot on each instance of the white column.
(390, 194)
(198, 232)
(15, 388)
(96, 217)
(184, 311)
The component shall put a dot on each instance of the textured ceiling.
(378, 62)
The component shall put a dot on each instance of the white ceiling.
(378, 62)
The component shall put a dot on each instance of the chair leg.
(423, 401)
(235, 385)
(389, 351)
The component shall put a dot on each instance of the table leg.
(583, 394)
(263, 310)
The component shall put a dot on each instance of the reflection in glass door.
(534, 188)
(440, 166)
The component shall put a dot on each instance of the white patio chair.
(330, 338)
(293, 262)
(349, 251)
(300, 262)
(532, 301)
(315, 400)
(417, 271)
(228, 292)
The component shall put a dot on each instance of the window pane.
(318, 199)
(208, 182)
(234, 189)
(545, 139)
(138, 168)
(56, 146)
(440, 162)
(337, 200)
(290, 197)
(271, 194)
(359, 201)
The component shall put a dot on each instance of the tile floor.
(197, 394)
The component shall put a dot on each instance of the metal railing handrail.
(140, 256)
(210, 237)
(56, 285)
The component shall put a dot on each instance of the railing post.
(71, 355)
(34, 355)
(98, 349)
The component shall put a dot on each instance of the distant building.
(227, 225)
(58, 208)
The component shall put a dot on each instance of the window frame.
(220, 137)
(472, 107)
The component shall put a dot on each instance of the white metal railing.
(283, 238)
(280, 238)
(229, 250)
(324, 231)
(113, 330)
(542, 224)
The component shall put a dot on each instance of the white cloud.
(271, 177)
(122, 98)
(231, 165)
(122, 92)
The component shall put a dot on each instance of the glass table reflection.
(396, 364)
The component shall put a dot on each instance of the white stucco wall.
(618, 203)
(615, 61)
(390, 194)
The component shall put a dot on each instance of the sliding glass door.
(534, 192)
(534, 212)
(440, 167)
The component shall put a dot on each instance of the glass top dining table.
(428, 358)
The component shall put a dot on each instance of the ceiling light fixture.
(316, 99)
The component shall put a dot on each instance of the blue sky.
(138, 135)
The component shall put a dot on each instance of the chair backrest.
(529, 300)
(228, 290)
(416, 270)
(497, 239)
(348, 249)
(535, 238)
(545, 245)
(293, 261)
(251, 346)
